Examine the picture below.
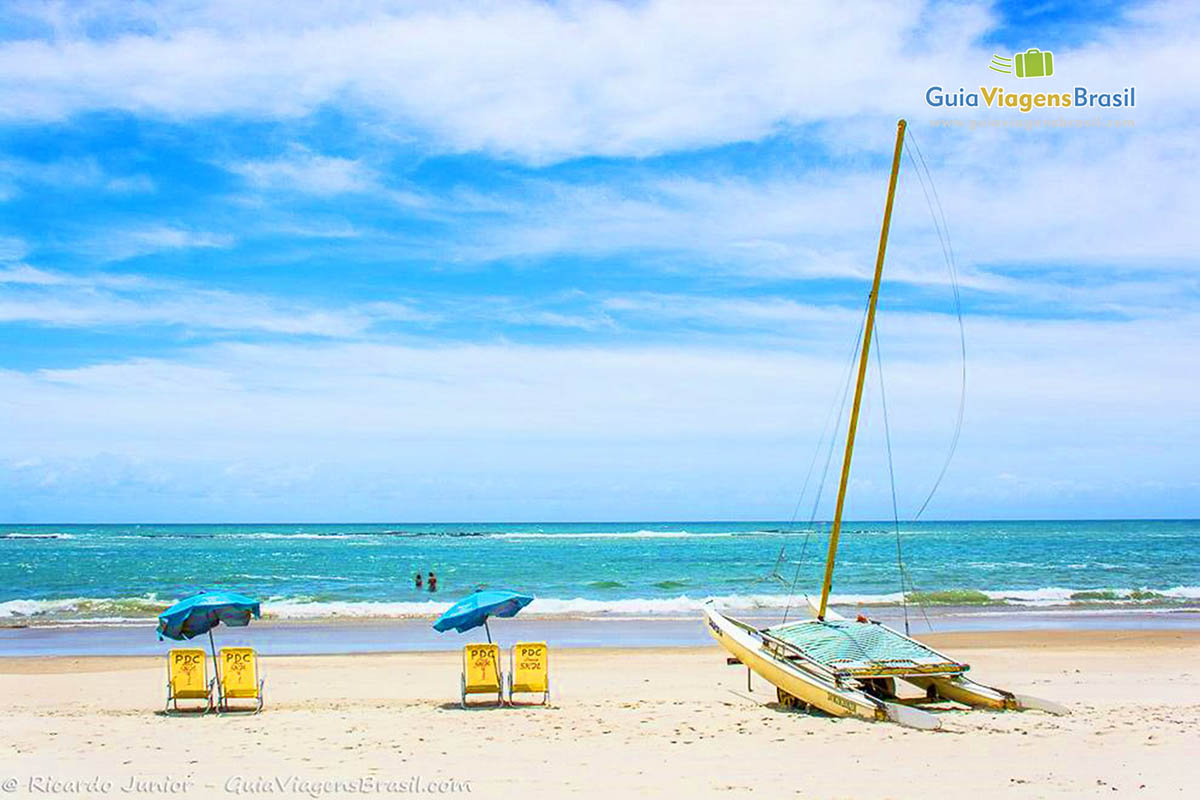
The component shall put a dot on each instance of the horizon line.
(621, 522)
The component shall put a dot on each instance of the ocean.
(120, 574)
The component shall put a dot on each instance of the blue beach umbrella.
(474, 610)
(200, 613)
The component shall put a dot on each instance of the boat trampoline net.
(862, 649)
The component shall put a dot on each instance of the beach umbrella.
(474, 610)
(200, 613)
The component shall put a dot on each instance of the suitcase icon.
(1034, 63)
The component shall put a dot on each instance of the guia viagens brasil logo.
(1033, 63)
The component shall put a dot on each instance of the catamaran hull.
(808, 687)
(963, 690)
(967, 692)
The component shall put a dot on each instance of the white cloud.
(721, 428)
(317, 228)
(1063, 204)
(789, 317)
(67, 173)
(99, 300)
(307, 172)
(600, 78)
(716, 426)
(126, 244)
(12, 248)
(587, 77)
(25, 275)
(132, 184)
(543, 82)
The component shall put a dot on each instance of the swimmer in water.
(432, 581)
(418, 582)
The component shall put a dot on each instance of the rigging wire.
(826, 430)
(887, 435)
(838, 424)
(905, 575)
(941, 227)
(912, 587)
(943, 234)
(938, 215)
(840, 407)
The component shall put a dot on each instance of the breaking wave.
(146, 607)
(413, 534)
(36, 536)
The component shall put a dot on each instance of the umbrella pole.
(485, 627)
(216, 664)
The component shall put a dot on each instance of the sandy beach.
(664, 722)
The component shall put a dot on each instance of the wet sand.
(332, 635)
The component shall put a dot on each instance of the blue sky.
(535, 261)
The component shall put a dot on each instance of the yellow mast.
(862, 373)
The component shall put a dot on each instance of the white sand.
(664, 723)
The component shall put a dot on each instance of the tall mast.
(862, 373)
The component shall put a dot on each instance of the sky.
(481, 261)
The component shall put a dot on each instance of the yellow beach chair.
(187, 678)
(529, 670)
(239, 678)
(481, 672)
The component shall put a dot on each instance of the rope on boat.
(887, 436)
(840, 407)
(943, 234)
(941, 227)
(902, 571)
(825, 431)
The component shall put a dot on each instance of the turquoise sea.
(116, 573)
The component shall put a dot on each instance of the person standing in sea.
(432, 581)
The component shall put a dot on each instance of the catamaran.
(850, 667)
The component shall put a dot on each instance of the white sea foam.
(265, 535)
(575, 606)
(688, 604)
(96, 610)
(541, 606)
(305, 609)
(1032, 597)
(614, 535)
(368, 535)
(81, 607)
(252, 577)
(36, 536)
(1057, 596)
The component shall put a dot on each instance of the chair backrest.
(187, 671)
(239, 672)
(530, 667)
(481, 667)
